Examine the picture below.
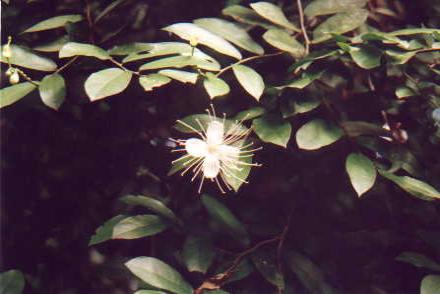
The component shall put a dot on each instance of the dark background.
(63, 171)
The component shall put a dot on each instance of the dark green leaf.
(323, 7)
(247, 16)
(361, 171)
(430, 284)
(138, 226)
(317, 134)
(272, 129)
(11, 282)
(367, 57)
(198, 254)
(152, 204)
(53, 90)
(250, 113)
(306, 79)
(266, 264)
(105, 232)
(12, 94)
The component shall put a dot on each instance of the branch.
(303, 26)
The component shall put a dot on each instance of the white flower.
(218, 153)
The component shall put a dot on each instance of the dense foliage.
(322, 176)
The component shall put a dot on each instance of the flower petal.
(211, 167)
(196, 147)
(214, 133)
(228, 154)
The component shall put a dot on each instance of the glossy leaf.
(430, 284)
(192, 32)
(250, 80)
(247, 16)
(274, 14)
(105, 232)
(399, 57)
(158, 274)
(219, 212)
(361, 171)
(54, 22)
(138, 226)
(198, 254)
(152, 204)
(404, 91)
(53, 46)
(231, 32)
(180, 75)
(215, 86)
(323, 7)
(106, 83)
(367, 57)
(12, 94)
(11, 282)
(339, 24)
(151, 81)
(181, 61)
(272, 129)
(75, 49)
(284, 41)
(24, 57)
(317, 134)
(413, 186)
(53, 91)
(131, 48)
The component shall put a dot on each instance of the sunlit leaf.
(317, 134)
(298, 105)
(107, 82)
(11, 282)
(361, 171)
(192, 32)
(158, 274)
(179, 62)
(250, 80)
(339, 24)
(105, 232)
(12, 94)
(231, 32)
(272, 129)
(215, 86)
(24, 57)
(54, 22)
(53, 90)
(430, 284)
(413, 186)
(75, 49)
(151, 81)
(53, 46)
(323, 7)
(365, 56)
(274, 14)
(219, 212)
(247, 16)
(180, 75)
(399, 57)
(414, 31)
(138, 226)
(404, 91)
(284, 41)
(198, 254)
(130, 48)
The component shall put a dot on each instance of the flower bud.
(193, 42)
(7, 52)
(10, 71)
(14, 78)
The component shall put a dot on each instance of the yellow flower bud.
(10, 71)
(14, 78)
(193, 42)
(7, 52)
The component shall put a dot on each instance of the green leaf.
(430, 284)
(246, 15)
(12, 94)
(75, 49)
(219, 212)
(180, 75)
(158, 274)
(106, 83)
(272, 129)
(250, 80)
(130, 48)
(215, 86)
(339, 24)
(250, 113)
(231, 32)
(266, 264)
(204, 120)
(53, 46)
(404, 91)
(298, 105)
(357, 128)
(313, 56)
(399, 57)
(11, 282)
(366, 56)
(284, 41)
(414, 31)
(181, 61)
(274, 14)
(149, 292)
(198, 254)
(151, 81)
(317, 134)
(105, 232)
(53, 90)
(413, 186)
(418, 260)
(192, 32)
(152, 204)
(361, 171)
(138, 226)
(306, 79)
(323, 7)
(242, 173)
(54, 22)
(24, 57)
(169, 48)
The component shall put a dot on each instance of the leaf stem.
(303, 26)
(67, 64)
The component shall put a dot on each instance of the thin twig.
(90, 22)
(303, 26)
(120, 65)
(67, 64)
(246, 60)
